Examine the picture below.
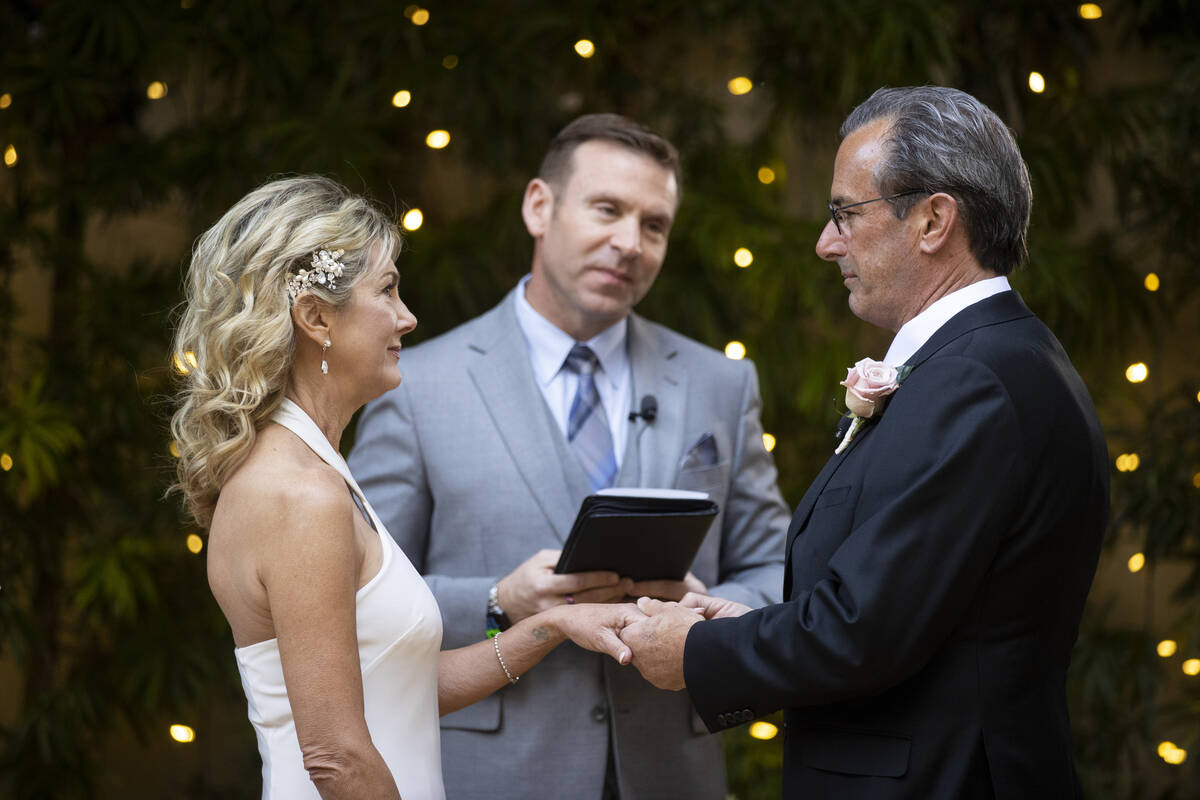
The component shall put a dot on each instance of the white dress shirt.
(548, 347)
(913, 335)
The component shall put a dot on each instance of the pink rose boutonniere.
(868, 385)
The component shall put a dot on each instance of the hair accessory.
(325, 364)
(325, 268)
(500, 658)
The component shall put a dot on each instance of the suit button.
(599, 713)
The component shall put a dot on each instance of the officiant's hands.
(668, 590)
(657, 641)
(533, 587)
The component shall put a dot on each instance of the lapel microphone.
(649, 410)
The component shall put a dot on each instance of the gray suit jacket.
(471, 475)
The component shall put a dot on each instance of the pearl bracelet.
(500, 658)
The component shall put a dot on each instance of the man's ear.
(939, 222)
(312, 318)
(537, 207)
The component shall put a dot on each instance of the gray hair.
(944, 140)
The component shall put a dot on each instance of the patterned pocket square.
(702, 454)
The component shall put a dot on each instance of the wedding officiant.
(479, 461)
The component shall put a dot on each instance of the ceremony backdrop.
(128, 126)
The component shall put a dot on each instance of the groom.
(938, 565)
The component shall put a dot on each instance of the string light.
(585, 48)
(438, 139)
(1128, 462)
(763, 730)
(194, 543)
(740, 85)
(450, 61)
(412, 219)
(735, 350)
(6, 462)
(402, 98)
(1151, 282)
(1136, 562)
(1136, 373)
(743, 257)
(420, 16)
(1171, 754)
(1167, 647)
(1037, 84)
(5, 100)
(157, 90)
(182, 733)
(1191, 666)
(768, 442)
(1090, 11)
(10, 156)
(766, 175)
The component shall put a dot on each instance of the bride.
(293, 322)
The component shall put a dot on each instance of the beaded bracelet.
(500, 658)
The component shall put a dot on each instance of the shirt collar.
(549, 344)
(913, 335)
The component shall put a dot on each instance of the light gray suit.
(469, 471)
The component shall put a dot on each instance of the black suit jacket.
(937, 571)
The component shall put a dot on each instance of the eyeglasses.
(835, 212)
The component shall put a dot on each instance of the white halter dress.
(399, 638)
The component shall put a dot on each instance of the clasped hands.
(649, 634)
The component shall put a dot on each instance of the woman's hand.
(597, 626)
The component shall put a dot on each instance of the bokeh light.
(1037, 84)
(438, 139)
(1167, 647)
(157, 90)
(1090, 11)
(412, 219)
(766, 175)
(1136, 373)
(740, 85)
(735, 350)
(768, 442)
(194, 543)
(420, 16)
(1136, 562)
(585, 48)
(763, 730)
(1151, 282)
(402, 98)
(743, 257)
(182, 733)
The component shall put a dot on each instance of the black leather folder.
(644, 534)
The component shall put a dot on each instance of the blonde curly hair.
(235, 339)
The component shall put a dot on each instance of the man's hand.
(533, 587)
(669, 590)
(657, 641)
(713, 607)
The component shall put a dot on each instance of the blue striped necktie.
(587, 427)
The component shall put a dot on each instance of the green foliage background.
(106, 618)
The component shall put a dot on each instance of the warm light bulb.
(1151, 282)
(420, 16)
(740, 85)
(766, 175)
(735, 350)
(194, 543)
(1090, 11)
(743, 257)
(1167, 647)
(402, 98)
(182, 733)
(1037, 84)
(450, 61)
(1136, 373)
(1191, 666)
(763, 730)
(768, 442)
(6, 462)
(1128, 462)
(412, 219)
(585, 48)
(1176, 756)
(1136, 562)
(1164, 748)
(438, 139)
(157, 90)
(10, 156)
(5, 100)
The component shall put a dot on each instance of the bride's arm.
(310, 567)
(469, 674)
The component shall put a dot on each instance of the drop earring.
(324, 363)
